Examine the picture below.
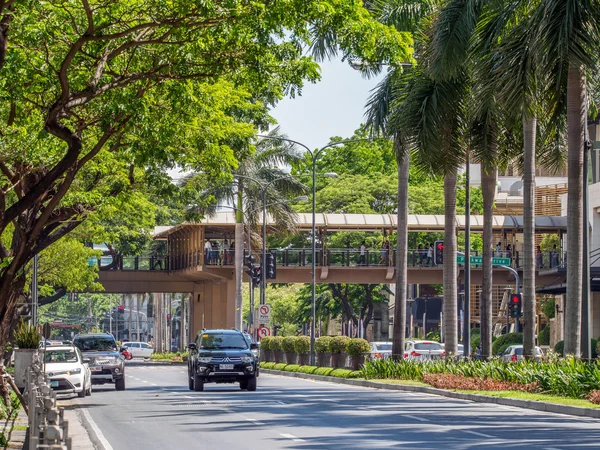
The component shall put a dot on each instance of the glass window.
(217, 341)
(519, 351)
(61, 356)
(428, 346)
(146, 346)
(383, 346)
(96, 343)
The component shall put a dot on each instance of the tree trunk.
(450, 265)
(528, 295)
(8, 310)
(398, 332)
(488, 187)
(576, 121)
(239, 261)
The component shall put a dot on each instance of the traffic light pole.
(517, 290)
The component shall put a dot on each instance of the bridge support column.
(213, 306)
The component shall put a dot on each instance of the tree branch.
(58, 294)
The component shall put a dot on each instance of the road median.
(519, 403)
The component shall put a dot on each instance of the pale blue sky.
(332, 107)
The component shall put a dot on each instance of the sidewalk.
(15, 430)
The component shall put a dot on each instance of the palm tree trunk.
(239, 260)
(529, 301)
(488, 187)
(576, 121)
(450, 265)
(398, 332)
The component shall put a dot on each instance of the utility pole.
(34, 292)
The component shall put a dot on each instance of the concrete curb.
(527, 404)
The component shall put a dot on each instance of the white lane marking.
(154, 384)
(420, 419)
(255, 421)
(144, 381)
(476, 433)
(97, 430)
(292, 437)
(181, 371)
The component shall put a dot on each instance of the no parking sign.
(264, 314)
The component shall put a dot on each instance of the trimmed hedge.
(276, 343)
(265, 343)
(322, 344)
(267, 365)
(279, 366)
(339, 344)
(344, 373)
(292, 367)
(287, 344)
(307, 369)
(357, 347)
(326, 371)
(302, 345)
(312, 370)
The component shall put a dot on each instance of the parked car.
(460, 349)
(139, 349)
(107, 365)
(380, 350)
(423, 350)
(515, 353)
(67, 370)
(221, 356)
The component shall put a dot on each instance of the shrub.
(276, 343)
(433, 336)
(344, 373)
(279, 366)
(505, 340)
(322, 345)
(326, 371)
(357, 347)
(594, 396)
(292, 367)
(265, 343)
(451, 381)
(267, 365)
(338, 344)
(302, 345)
(544, 336)
(549, 308)
(27, 336)
(287, 344)
(307, 369)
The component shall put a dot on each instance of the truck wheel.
(120, 384)
(244, 384)
(198, 384)
(190, 382)
(251, 384)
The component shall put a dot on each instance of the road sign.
(264, 331)
(264, 314)
(478, 260)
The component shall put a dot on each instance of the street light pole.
(467, 296)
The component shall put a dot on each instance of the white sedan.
(68, 371)
(139, 349)
(423, 350)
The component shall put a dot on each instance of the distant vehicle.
(139, 349)
(423, 350)
(68, 371)
(380, 350)
(222, 356)
(460, 351)
(107, 365)
(515, 353)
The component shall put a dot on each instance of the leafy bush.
(292, 367)
(344, 373)
(451, 381)
(505, 340)
(544, 336)
(279, 366)
(338, 344)
(267, 365)
(302, 345)
(276, 343)
(549, 308)
(287, 344)
(434, 336)
(357, 347)
(265, 343)
(27, 336)
(322, 345)
(326, 371)
(475, 331)
(307, 369)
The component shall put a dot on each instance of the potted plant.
(337, 347)
(322, 346)
(357, 348)
(301, 347)
(27, 341)
(288, 347)
(266, 352)
(277, 347)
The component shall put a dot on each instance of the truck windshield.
(95, 344)
(223, 342)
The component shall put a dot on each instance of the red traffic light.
(515, 298)
(440, 246)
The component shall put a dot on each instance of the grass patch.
(537, 397)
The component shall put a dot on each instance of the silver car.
(380, 350)
(515, 353)
(423, 350)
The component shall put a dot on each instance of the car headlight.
(204, 359)
(247, 359)
(64, 372)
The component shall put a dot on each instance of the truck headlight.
(204, 359)
(247, 359)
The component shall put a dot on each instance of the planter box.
(324, 359)
(339, 360)
(302, 359)
(290, 357)
(356, 362)
(23, 361)
(279, 356)
(267, 355)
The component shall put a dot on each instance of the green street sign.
(478, 260)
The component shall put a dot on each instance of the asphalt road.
(157, 411)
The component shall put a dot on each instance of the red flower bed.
(594, 396)
(451, 381)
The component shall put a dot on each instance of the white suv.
(68, 371)
(423, 350)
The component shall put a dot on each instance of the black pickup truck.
(221, 356)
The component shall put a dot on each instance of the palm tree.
(257, 169)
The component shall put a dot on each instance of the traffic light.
(256, 275)
(249, 261)
(516, 303)
(438, 254)
(271, 266)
